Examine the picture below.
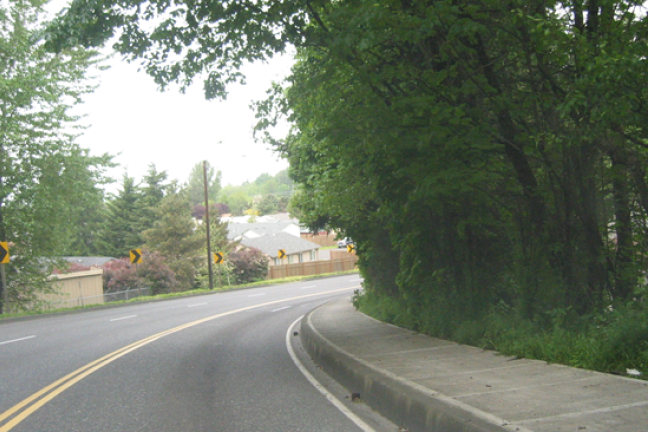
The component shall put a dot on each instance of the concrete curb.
(403, 404)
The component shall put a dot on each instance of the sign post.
(4, 259)
(219, 259)
(136, 258)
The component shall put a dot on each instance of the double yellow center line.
(28, 406)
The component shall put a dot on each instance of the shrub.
(248, 265)
(120, 274)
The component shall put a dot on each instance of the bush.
(248, 265)
(120, 275)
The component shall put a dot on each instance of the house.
(279, 217)
(274, 233)
(238, 231)
(297, 249)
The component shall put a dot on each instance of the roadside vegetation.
(613, 341)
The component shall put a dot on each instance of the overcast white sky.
(174, 131)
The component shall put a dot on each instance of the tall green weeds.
(612, 341)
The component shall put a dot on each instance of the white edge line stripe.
(330, 397)
(197, 304)
(309, 287)
(491, 418)
(281, 308)
(18, 340)
(123, 318)
(257, 295)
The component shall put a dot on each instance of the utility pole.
(209, 255)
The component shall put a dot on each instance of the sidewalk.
(427, 384)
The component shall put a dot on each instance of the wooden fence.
(310, 268)
(320, 238)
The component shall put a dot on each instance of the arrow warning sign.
(218, 258)
(282, 253)
(350, 248)
(136, 256)
(4, 253)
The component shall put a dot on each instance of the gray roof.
(270, 244)
(235, 230)
(284, 217)
(89, 261)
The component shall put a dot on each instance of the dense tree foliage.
(267, 194)
(174, 236)
(46, 180)
(153, 189)
(120, 231)
(480, 153)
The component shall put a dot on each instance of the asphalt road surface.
(217, 362)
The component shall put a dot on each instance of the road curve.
(210, 363)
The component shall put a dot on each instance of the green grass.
(166, 296)
(611, 342)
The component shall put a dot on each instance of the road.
(217, 362)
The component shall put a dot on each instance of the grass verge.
(614, 341)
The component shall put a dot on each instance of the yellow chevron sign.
(4, 253)
(136, 256)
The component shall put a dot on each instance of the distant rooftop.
(89, 261)
(235, 230)
(275, 218)
(270, 244)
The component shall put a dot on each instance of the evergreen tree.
(195, 186)
(218, 242)
(174, 236)
(120, 231)
(86, 239)
(151, 194)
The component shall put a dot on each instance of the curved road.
(217, 362)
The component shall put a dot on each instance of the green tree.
(152, 192)
(494, 151)
(218, 243)
(196, 185)
(269, 204)
(120, 232)
(174, 237)
(236, 199)
(85, 238)
(46, 180)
